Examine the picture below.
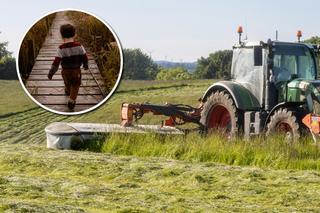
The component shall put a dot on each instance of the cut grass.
(35, 179)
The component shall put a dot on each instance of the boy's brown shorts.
(72, 81)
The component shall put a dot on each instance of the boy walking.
(71, 55)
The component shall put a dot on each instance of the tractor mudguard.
(242, 97)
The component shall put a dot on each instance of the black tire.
(283, 121)
(216, 121)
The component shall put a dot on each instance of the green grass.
(36, 179)
(266, 153)
(12, 98)
(148, 173)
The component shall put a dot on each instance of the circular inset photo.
(70, 62)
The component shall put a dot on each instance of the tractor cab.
(266, 69)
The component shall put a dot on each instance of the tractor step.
(60, 135)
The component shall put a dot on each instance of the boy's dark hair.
(67, 31)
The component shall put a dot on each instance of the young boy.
(71, 55)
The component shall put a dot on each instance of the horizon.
(172, 31)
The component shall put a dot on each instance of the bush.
(178, 73)
(95, 35)
(8, 68)
(138, 65)
(214, 66)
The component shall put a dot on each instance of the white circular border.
(102, 101)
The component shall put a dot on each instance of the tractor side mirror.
(257, 50)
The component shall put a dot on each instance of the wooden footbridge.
(50, 93)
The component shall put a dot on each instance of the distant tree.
(3, 50)
(215, 66)
(313, 40)
(178, 73)
(138, 65)
(7, 63)
(8, 69)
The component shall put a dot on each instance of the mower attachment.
(178, 114)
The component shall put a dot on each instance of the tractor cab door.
(248, 69)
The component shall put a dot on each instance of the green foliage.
(32, 44)
(313, 40)
(3, 50)
(178, 73)
(7, 63)
(214, 66)
(8, 68)
(138, 65)
(95, 35)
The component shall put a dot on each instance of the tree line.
(7, 63)
(140, 66)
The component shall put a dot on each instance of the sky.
(174, 30)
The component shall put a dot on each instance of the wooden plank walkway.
(51, 93)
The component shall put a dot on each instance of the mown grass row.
(272, 152)
(36, 179)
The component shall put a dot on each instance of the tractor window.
(295, 59)
(244, 71)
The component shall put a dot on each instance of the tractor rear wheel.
(220, 113)
(284, 122)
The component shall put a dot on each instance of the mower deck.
(60, 135)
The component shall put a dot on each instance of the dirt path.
(51, 93)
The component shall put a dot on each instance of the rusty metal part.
(178, 114)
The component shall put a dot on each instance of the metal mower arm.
(178, 114)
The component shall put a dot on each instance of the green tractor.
(272, 88)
